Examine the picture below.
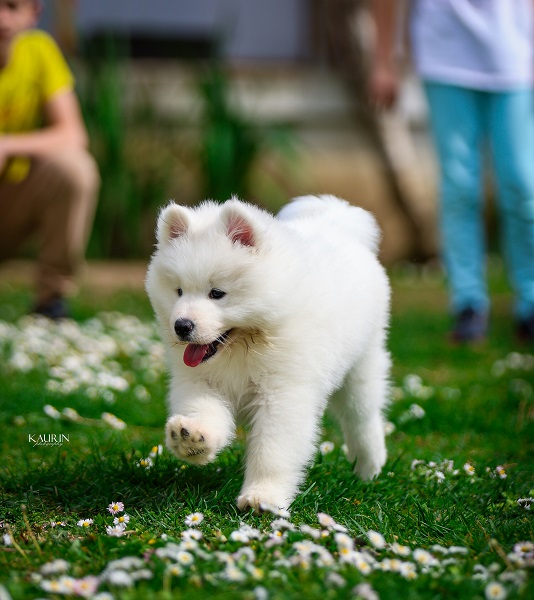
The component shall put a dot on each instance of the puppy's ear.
(238, 226)
(173, 222)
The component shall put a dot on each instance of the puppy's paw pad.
(185, 436)
(187, 441)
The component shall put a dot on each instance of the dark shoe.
(56, 308)
(525, 329)
(470, 326)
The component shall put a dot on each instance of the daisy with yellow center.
(156, 450)
(501, 472)
(122, 520)
(495, 591)
(85, 522)
(469, 469)
(194, 519)
(116, 507)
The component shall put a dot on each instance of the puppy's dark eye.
(180, 292)
(216, 294)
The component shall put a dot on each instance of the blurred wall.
(248, 29)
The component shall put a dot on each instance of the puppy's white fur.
(306, 306)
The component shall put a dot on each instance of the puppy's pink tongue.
(194, 353)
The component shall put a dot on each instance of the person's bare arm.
(64, 128)
(384, 79)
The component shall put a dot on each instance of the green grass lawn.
(442, 521)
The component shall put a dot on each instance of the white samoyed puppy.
(263, 318)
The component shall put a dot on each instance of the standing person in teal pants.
(476, 62)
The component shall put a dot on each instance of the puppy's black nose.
(183, 328)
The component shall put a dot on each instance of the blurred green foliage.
(129, 195)
(230, 143)
(141, 153)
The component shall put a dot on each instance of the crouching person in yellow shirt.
(48, 180)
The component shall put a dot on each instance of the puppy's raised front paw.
(189, 441)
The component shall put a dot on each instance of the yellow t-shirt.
(36, 71)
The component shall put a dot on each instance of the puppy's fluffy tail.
(353, 220)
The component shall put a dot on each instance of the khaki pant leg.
(55, 204)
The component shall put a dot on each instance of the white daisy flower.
(86, 587)
(325, 520)
(280, 524)
(469, 469)
(424, 558)
(145, 463)
(439, 475)
(63, 585)
(232, 573)
(122, 520)
(126, 563)
(250, 532)
(156, 450)
(346, 554)
(116, 530)
(458, 550)
(255, 572)
(142, 574)
(277, 538)
(344, 541)
(116, 507)
(400, 550)
(416, 411)
(389, 427)
(376, 539)
(51, 411)
(239, 536)
(72, 415)
(335, 579)
(194, 519)
(175, 570)
(306, 547)
(56, 566)
(501, 472)
(189, 545)
(119, 578)
(260, 593)
(365, 592)
(113, 421)
(408, 570)
(325, 559)
(192, 534)
(524, 548)
(495, 591)
(141, 393)
(185, 558)
(362, 564)
(85, 522)
(311, 531)
(326, 448)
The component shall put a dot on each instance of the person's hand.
(383, 86)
